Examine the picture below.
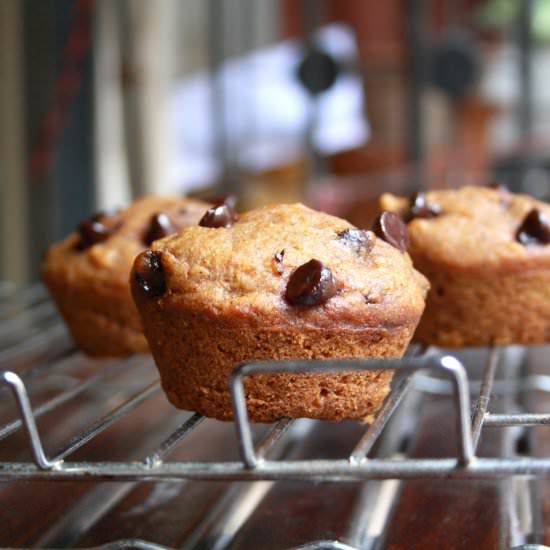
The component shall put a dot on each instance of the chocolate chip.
(310, 284)
(534, 229)
(360, 240)
(391, 228)
(371, 299)
(218, 216)
(149, 274)
(96, 229)
(229, 200)
(92, 232)
(421, 208)
(160, 226)
(277, 262)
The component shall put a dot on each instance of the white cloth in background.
(265, 111)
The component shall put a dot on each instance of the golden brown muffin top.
(242, 272)
(476, 228)
(105, 245)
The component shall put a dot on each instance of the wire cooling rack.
(48, 382)
(255, 463)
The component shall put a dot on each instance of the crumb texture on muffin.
(228, 272)
(475, 230)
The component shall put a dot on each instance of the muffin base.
(195, 356)
(483, 308)
(103, 323)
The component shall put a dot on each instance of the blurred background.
(325, 101)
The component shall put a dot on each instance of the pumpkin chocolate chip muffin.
(486, 253)
(280, 282)
(87, 273)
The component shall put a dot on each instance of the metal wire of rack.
(254, 465)
(256, 462)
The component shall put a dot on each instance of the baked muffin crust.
(229, 272)
(226, 302)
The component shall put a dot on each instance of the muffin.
(486, 254)
(87, 273)
(281, 282)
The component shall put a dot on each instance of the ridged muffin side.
(223, 299)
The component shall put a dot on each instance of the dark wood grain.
(435, 514)
(538, 441)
